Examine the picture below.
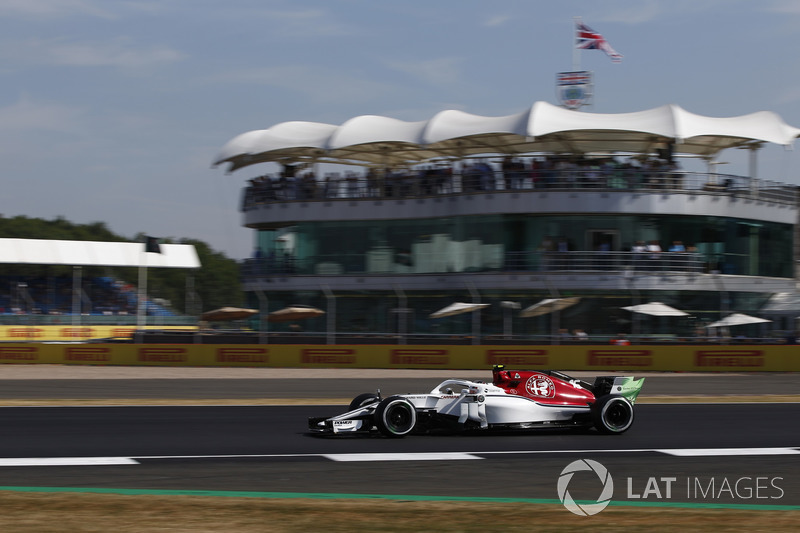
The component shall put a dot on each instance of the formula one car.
(515, 400)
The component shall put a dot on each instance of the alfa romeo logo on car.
(585, 509)
(539, 385)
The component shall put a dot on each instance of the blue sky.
(112, 111)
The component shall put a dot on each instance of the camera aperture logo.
(585, 509)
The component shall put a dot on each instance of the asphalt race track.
(705, 453)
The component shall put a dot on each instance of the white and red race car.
(516, 399)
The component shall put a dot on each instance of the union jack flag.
(588, 39)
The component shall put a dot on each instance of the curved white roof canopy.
(96, 253)
(376, 140)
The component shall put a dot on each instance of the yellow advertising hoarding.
(697, 358)
(68, 332)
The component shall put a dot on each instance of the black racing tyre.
(395, 416)
(612, 414)
(362, 400)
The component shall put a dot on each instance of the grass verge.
(95, 513)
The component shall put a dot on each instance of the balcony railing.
(538, 261)
(266, 190)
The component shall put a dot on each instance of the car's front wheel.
(612, 414)
(395, 416)
(362, 400)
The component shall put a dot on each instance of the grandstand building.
(508, 211)
(46, 300)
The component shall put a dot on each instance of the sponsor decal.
(418, 356)
(729, 357)
(346, 425)
(541, 386)
(122, 332)
(92, 354)
(25, 333)
(162, 355)
(81, 333)
(19, 353)
(517, 357)
(328, 356)
(612, 357)
(242, 355)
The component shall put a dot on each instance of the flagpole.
(576, 53)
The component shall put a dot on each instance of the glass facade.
(523, 243)
(526, 242)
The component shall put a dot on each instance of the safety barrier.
(711, 358)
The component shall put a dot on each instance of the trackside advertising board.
(709, 358)
(68, 332)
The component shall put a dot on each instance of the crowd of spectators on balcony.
(296, 182)
(557, 253)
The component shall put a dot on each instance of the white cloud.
(788, 7)
(113, 55)
(27, 115)
(789, 95)
(497, 20)
(320, 84)
(118, 54)
(299, 24)
(53, 8)
(438, 71)
(643, 11)
(633, 13)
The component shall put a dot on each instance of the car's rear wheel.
(395, 416)
(612, 414)
(363, 400)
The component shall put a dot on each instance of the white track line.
(67, 461)
(411, 456)
(716, 452)
(423, 456)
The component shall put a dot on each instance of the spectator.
(654, 254)
(677, 255)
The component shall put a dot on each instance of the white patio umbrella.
(737, 319)
(227, 313)
(294, 312)
(655, 309)
(456, 309)
(548, 305)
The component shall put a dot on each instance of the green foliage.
(216, 282)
